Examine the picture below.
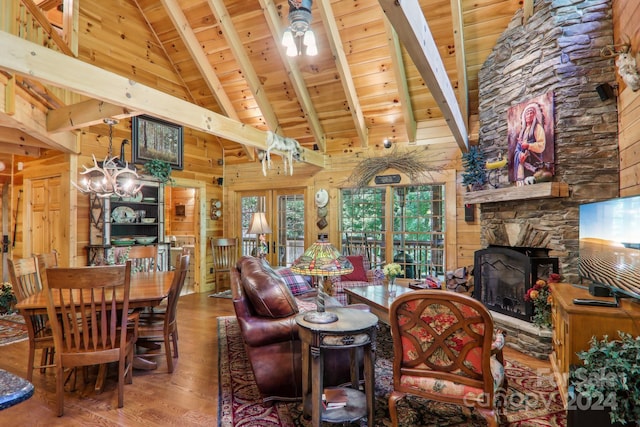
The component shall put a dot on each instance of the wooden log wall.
(463, 239)
(626, 16)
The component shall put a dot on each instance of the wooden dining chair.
(225, 256)
(88, 308)
(444, 350)
(144, 258)
(26, 281)
(48, 259)
(162, 327)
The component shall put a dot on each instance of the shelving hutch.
(107, 233)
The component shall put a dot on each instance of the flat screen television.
(610, 245)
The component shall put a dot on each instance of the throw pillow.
(358, 274)
(296, 282)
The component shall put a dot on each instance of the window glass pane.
(290, 228)
(363, 223)
(417, 218)
(418, 225)
(249, 205)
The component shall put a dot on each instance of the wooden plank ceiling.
(361, 88)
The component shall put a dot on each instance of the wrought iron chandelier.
(113, 176)
(299, 37)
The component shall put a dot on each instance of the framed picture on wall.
(156, 139)
(530, 127)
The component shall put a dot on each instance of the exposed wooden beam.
(329, 21)
(17, 111)
(14, 141)
(84, 114)
(249, 73)
(10, 95)
(49, 4)
(527, 11)
(199, 57)
(70, 23)
(400, 75)
(409, 22)
(190, 40)
(461, 60)
(273, 21)
(26, 58)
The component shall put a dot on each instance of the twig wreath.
(412, 163)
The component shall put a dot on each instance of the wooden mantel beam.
(37, 62)
(410, 24)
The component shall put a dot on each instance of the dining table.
(147, 290)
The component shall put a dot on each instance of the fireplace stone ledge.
(524, 336)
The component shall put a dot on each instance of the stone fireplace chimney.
(557, 50)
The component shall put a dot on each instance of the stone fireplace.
(503, 275)
(558, 50)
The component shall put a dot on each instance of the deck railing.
(418, 259)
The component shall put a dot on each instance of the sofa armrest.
(260, 331)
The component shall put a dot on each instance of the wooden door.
(44, 222)
(285, 213)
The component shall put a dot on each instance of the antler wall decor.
(625, 61)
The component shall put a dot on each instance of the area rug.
(532, 400)
(223, 294)
(12, 329)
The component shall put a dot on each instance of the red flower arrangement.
(541, 297)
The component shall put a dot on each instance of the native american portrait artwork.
(531, 140)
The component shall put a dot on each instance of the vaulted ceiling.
(365, 85)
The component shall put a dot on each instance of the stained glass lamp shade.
(321, 259)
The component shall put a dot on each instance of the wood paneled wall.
(462, 238)
(626, 23)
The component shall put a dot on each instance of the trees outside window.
(403, 224)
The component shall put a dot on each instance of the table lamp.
(259, 227)
(321, 260)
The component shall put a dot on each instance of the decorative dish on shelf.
(123, 241)
(145, 240)
(123, 215)
(148, 220)
(149, 199)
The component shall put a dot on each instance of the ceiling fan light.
(312, 50)
(309, 38)
(287, 39)
(292, 50)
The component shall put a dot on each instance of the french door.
(285, 213)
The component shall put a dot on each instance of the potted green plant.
(159, 169)
(474, 176)
(7, 298)
(608, 380)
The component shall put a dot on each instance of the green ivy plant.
(160, 169)
(475, 174)
(610, 376)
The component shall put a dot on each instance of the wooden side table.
(354, 329)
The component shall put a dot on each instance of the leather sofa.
(266, 311)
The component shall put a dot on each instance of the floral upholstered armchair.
(445, 349)
(362, 275)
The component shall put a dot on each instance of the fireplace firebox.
(503, 275)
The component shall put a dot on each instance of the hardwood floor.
(188, 397)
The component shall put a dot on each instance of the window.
(409, 230)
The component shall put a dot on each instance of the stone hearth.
(524, 336)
